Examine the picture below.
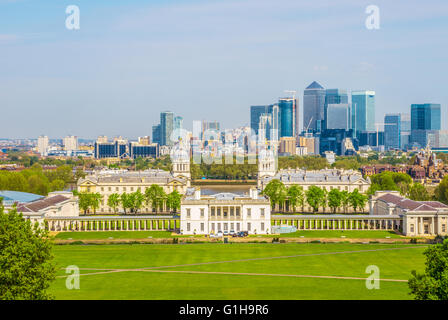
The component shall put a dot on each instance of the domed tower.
(180, 158)
(267, 165)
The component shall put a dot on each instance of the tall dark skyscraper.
(313, 107)
(287, 116)
(255, 113)
(156, 134)
(166, 128)
(269, 115)
(425, 123)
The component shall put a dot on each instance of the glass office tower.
(336, 109)
(392, 131)
(166, 128)
(363, 111)
(337, 116)
(287, 117)
(255, 113)
(313, 107)
(405, 130)
(425, 122)
(178, 122)
(156, 134)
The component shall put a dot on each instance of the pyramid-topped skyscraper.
(313, 107)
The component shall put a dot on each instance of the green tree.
(95, 200)
(357, 200)
(418, 192)
(315, 197)
(137, 199)
(126, 201)
(345, 201)
(173, 200)
(156, 196)
(57, 185)
(295, 196)
(26, 259)
(276, 191)
(334, 199)
(433, 284)
(84, 200)
(114, 201)
(441, 192)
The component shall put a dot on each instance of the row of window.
(226, 212)
(225, 226)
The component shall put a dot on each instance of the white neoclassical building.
(207, 214)
(108, 182)
(419, 218)
(56, 204)
(347, 180)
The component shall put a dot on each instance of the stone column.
(432, 225)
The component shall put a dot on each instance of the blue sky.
(207, 60)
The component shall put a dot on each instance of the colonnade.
(339, 222)
(115, 224)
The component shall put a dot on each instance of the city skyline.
(127, 63)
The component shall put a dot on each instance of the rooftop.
(38, 205)
(412, 205)
(326, 175)
(11, 197)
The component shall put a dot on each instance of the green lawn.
(350, 234)
(100, 235)
(333, 259)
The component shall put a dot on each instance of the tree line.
(36, 180)
(402, 182)
(294, 196)
(153, 196)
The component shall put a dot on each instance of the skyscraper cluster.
(339, 122)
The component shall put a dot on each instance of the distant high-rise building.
(144, 141)
(166, 128)
(287, 117)
(178, 122)
(273, 110)
(392, 131)
(269, 114)
(70, 143)
(332, 118)
(363, 111)
(42, 145)
(337, 116)
(255, 113)
(425, 122)
(210, 125)
(156, 134)
(313, 107)
(405, 131)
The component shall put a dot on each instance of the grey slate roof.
(330, 175)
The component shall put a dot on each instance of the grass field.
(236, 271)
